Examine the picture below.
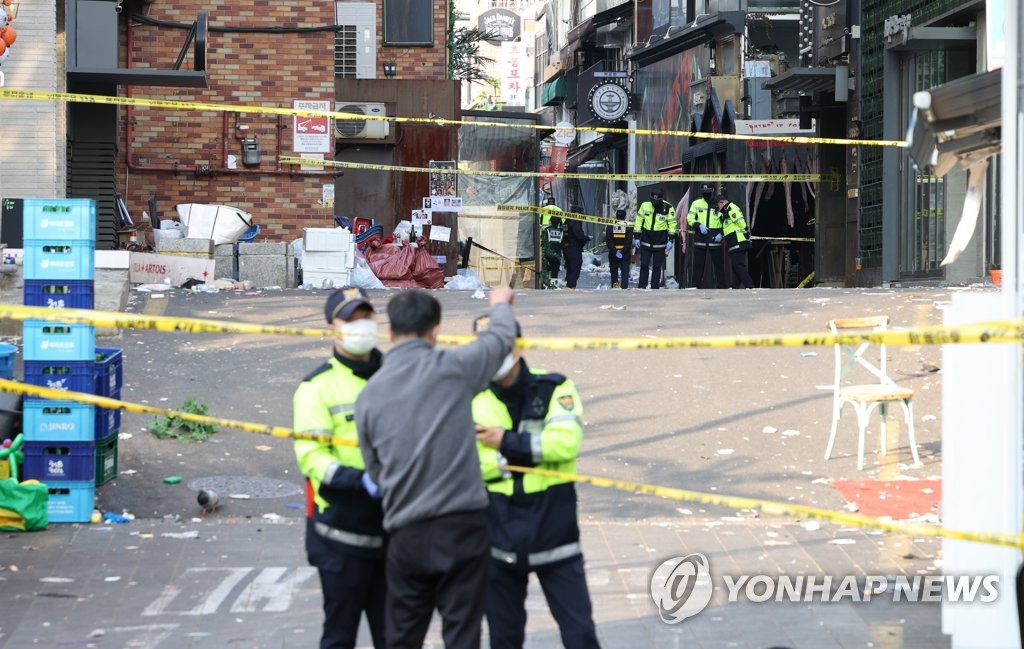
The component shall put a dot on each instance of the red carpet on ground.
(897, 499)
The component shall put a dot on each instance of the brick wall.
(272, 69)
(244, 68)
(430, 63)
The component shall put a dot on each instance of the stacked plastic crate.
(68, 445)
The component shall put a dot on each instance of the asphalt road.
(737, 421)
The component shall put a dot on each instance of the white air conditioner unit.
(370, 129)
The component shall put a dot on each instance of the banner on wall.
(516, 72)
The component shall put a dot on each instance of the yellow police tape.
(127, 406)
(672, 493)
(41, 95)
(788, 510)
(119, 320)
(575, 216)
(813, 178)
(996, 331)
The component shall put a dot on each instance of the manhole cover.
(252, 486)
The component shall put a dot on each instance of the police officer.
(573, 240)
(704, 223)
(656, 228)
(619, 239)
(532, 418)
(737, 240)
(551, 234)
(344, 527)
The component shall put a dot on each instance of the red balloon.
(8, 35)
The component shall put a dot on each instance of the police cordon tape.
(127, 406)
(68, 97)
(773, 508)
(575, 216)
(788, 510)
(996, 331)
(738, 178)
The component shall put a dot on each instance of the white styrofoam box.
(324, 239)
(221, 223)
(331, 261)
(326, 279)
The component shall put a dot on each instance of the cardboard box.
(146, 268)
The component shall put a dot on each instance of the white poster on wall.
(311, 134)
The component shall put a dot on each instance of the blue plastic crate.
(60, 375)
(7, 353)
(108, 420)
(60, 461)
(50, 341)
(108, 371)
(44, 420)
(60, 294)
(60, 259)
(71, 502)
(59, 218)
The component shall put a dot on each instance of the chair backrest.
(850, 356)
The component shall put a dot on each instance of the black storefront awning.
(806, 80)
(583, 154)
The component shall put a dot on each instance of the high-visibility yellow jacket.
(655, 223)
(342, 517)
(532, 518)
(734, 227)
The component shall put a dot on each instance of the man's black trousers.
(358, 586)
(565, 588)
(573, 264)
(652, 260)
(438, 563)
(700, 257)
(620, 267)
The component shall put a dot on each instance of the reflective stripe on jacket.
(532, 518)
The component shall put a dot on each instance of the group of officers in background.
(713, 222)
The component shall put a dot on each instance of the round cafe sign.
(609, 101)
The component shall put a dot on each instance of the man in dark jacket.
(416, 432)
(619, 239)
(572, 249)
(532, 418)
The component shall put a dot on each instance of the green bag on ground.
(23, 506)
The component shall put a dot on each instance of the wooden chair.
(866, 397)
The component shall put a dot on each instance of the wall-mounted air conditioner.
(369, 129)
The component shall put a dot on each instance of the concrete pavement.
(688, 418)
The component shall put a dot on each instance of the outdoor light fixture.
(390, 68)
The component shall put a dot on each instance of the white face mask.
(506, 367)
(359, 336)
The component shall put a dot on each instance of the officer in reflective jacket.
(656, 228)
(532, 418)
(619, 239)
(344, 527)
(551, 234)
(705, 225)
(737, 240)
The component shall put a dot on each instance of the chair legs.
(863, 410)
